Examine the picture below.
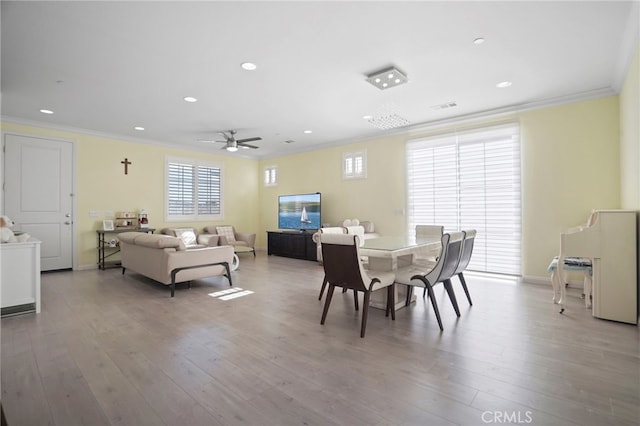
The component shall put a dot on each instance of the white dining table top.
(395, 244)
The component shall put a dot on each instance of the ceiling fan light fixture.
(387, 78)
(232, 148)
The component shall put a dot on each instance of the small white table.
(20, 277)
(389, 254)
(236, 259)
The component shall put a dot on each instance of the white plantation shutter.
(209, 190)
(181, 193)
(194, 190)
(470, 180)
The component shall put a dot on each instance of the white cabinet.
(20, 277)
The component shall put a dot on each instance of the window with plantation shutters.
(470, 180)
(194, 190)
(354, 165)
(270, 176)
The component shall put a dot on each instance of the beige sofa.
(229, 236)
(167, 260)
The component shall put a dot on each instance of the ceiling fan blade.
(210, 141)
(246, 145)
(248, 140)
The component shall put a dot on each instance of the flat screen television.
(299, 211)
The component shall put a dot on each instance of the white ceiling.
(109, 66)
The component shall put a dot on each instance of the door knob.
(67, 222)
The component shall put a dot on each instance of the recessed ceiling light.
(479, 40)
(190, 99)
(504, 84)
(249, 66)
(139, 128)
(46, 111)
(308, 131)
(367, 117)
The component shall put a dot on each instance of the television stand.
(295, 244)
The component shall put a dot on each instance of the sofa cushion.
(152, 240)
(368, 226)
(187, 235)
(226, 231)
(350, 222)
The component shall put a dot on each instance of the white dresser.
(20, 277)
(609, 240)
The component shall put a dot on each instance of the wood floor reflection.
(109, 349)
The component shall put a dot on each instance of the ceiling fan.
(232, 144)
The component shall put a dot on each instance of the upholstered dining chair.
(465, 257)
(415, 275)
(327, 230)
(343, 268)
(432, 252)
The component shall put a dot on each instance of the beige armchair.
(229, 237)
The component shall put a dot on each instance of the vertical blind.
(470, 180)
(193, 190)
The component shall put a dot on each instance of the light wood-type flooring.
(109, 349)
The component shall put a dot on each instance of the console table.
(106, 249)
(298, 245)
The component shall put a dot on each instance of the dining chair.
(429, 253)
(330, 230)
(343, 268)
(465, 257)
(415, 274)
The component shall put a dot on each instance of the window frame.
(270, 176)
(353, 157)
(195, 164)
(464, 168)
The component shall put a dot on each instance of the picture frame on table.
(107, 225)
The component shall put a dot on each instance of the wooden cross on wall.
(126, 166)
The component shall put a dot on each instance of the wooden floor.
(109, 349)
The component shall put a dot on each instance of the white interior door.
(38, 191)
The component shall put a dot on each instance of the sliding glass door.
(466, 180)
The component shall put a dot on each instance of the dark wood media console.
(296, 244)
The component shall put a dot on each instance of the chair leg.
(391, 300)
(407, 302)
(464, 287)
(327, 302)
(452, 296)
(324, 284)
(365, 311)
(432, 297)
(355, 298)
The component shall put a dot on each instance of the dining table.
(389, 253)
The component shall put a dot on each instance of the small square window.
(270, 176)
(354, 165)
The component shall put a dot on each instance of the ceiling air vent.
(391, 121)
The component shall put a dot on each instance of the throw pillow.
(226, 231)
(187, 236)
